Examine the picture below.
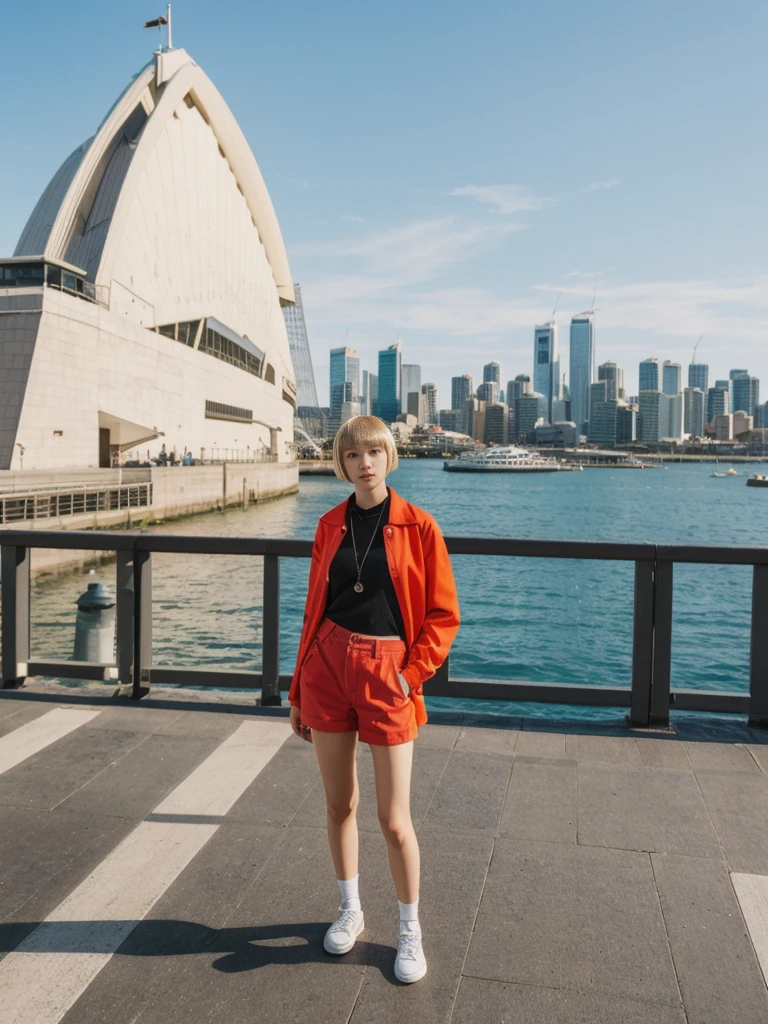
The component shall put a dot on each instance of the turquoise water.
(543, 620)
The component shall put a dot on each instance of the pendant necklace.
(358, 587)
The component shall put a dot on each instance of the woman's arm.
(441, 621)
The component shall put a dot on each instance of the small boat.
(728, 472)
(757, 480)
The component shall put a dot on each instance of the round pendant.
(358, 588)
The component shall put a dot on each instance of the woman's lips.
(367, 476)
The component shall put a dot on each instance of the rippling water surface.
(548, 620)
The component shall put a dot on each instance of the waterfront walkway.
(168, 861)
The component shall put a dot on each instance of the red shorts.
(349, 681)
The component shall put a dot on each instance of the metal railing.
(72, 500)
(648, 698)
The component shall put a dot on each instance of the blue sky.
(442, 171)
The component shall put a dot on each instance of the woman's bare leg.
(338, 767)
(392, 771)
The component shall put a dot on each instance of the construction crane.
(557, 303)
(693, 357)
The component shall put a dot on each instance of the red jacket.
(422, 576)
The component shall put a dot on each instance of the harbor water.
(542, 620)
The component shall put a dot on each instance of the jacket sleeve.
(441, 621)
(314, 569)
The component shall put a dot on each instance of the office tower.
(671, 417)
(390, 362)
(742, 423)
(496, 424)
(761, 415)
(410, 381)
(671, 378)
(369, 393)
(529, 409)
(342, 394)
(348, 410)
(723, 426)
(467, 415)
(614, 381)
(450, 419)
(345, 365)
(582, 367)
(298, 343)
(718, 400)
(698, 376)
(649, 428)
(561, 410)
(492, 372)
(461, 389)
(546, 364)
(478, 420)
(649, 375)
(626, 424)
(745, 393)
(603, 423)
(693, 412)
(488, 391)
(430, 395)
(516, 388)
(417, 406)
(502, 396)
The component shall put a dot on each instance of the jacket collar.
(400, 511)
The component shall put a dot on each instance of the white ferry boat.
(501, 460)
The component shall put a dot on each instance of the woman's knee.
(396, 829)
(342, 807)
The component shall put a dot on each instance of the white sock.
(350, 895)
(409, 918)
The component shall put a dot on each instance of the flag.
(156, 23)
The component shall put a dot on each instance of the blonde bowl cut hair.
(368, 431)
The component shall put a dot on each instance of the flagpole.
(170, 38)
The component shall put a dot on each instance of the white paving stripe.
(752, 894)
(44, 976)
(28, 739)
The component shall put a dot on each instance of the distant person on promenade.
(380, 617)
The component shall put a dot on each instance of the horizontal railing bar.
(710, 700)
(114, 540)
(73, 669)
(231, 678)
(548, 693)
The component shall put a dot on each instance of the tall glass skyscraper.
(411, 383)
(461, 390)
(614, 382)
(698, 376)
(745, 392)
(298, 342)
(390, 366)
(582, 367)
(345, 366)
(546, 364)
(492, 372)
(430, 404)
(671, 378)
(649, 375)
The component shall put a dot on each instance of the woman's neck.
(369, 499)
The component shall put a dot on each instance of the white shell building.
(142, 306)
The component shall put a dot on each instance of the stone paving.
(569, 873)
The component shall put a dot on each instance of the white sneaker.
(410, 963)
(340, 937)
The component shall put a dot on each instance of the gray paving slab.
(17, 713)
(541, 744)
(733, 757)
(571, 917)
(651, 809)
(481, 1001)
(738, 805)
(621, 750)
(760, 754)
(487, 741)
(437, 735)
(281, 788)
(716, 966)
(540, 803)
(57, 771)
(454, 869)
(136, 717)
(470, 794)
(659, 752)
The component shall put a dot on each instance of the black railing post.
(134, 623)
(758, 650)
(14, 563)
(642, 645)
(662, 644)
(270, 634)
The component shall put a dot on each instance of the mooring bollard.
(95, 626)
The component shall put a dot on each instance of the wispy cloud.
(353, 217)
(301, 182)
(598, 186)
(507, 199)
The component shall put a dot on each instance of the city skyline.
(465, 245)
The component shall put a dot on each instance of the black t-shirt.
(375, 611)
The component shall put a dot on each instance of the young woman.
(380, 617)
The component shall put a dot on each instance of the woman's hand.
(301, 730)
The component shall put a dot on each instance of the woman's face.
(366, 466)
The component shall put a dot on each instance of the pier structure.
(140, 314)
